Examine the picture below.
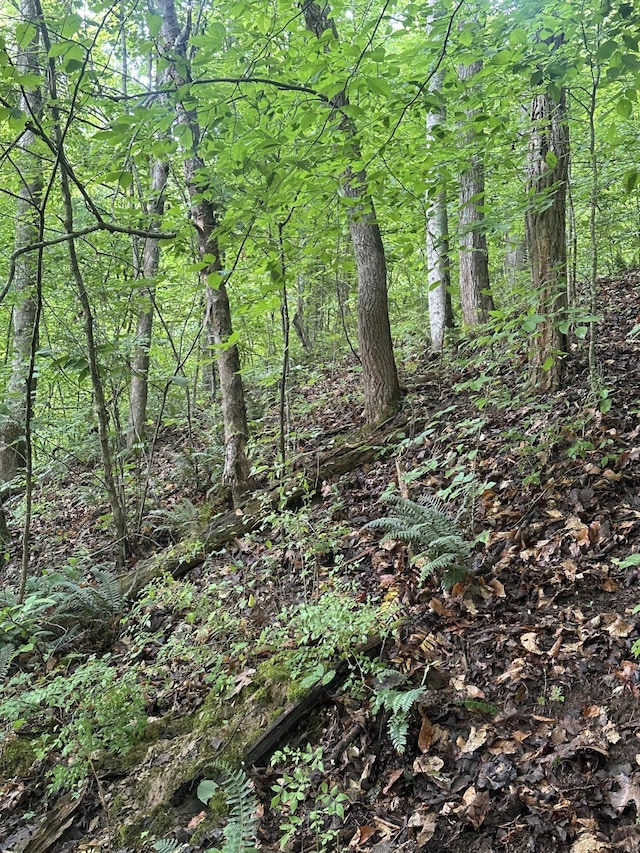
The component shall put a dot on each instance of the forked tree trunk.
(379, 373)
(139, 388)
(475, 295)
(28, 202)
(204, 217)
(545, 223)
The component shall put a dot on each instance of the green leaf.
(606, 49)
(206, 790)
(551, 159)
(624, 107)
(25, 34)
(72, 25)
(548, 364)
(379, 85)
(154, 24)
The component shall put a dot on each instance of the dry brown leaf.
(427, 822)
(393, 778)
(475, 806)
(362, 835)
(476, 739)
(529, 641)
(429, 764)
(618, 627)
(589, 843)
(426, 734)
(629, 792)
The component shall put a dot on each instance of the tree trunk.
(139, 389)
(204, 217)
(437, 239)
(545, 236)
(25, 303)
(380, 376)
(475, 296)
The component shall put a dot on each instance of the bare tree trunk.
(298, 319)
(380, 376)
(204, 217)
(25, 303)
(475, 295)
(545, 236)
(139, 389)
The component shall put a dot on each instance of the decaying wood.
(260, 751)
(57, 821)
(224, 528)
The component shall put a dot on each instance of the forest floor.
(526, 736)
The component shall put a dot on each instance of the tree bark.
(379, 372)
(437, 239)
(236, 465)
(139, 388)
(475, 295)
(545, 223)
(25, 303)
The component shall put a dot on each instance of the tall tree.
(380, 376)
(205, 220)
(475, 295)
(20, 390)
(139, 387)
(545, 229)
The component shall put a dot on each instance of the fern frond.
(431, 531)
(167, 845)
(7, 653)
(398, 728)
(241, 828)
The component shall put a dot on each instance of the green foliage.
(322, 633)
(434, 535)
(295, 787)
(399, 704)
(241, 827)
(75, 717)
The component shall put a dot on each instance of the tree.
(27, 276)
(545, 226)
(380, 376)
(205, 220)
(139, 388)
(475, 295)
(437, 219)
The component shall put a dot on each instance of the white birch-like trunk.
(437, 238)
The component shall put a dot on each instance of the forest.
(319, 426)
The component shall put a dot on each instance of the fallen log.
(313, 470)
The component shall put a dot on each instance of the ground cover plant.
(319, 418)
(490, 715)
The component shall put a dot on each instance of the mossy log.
(315, 469)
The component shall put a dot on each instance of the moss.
(16, 757)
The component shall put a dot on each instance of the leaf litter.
(526, 735)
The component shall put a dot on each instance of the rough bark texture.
(139, 389)
(475, 296)
(437, 240)
(545, 235)
(380, 376)
(204, 217)
(12, 422)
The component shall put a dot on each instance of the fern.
(240, 831)
(399, 703)
(167, 845)
(433, 534)
(95, 602)
(7, 653)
